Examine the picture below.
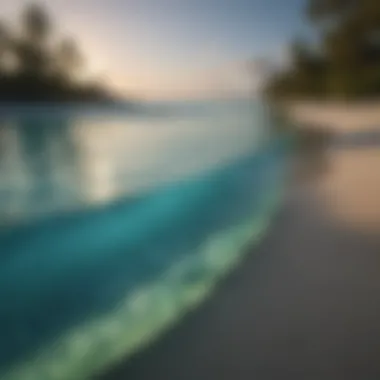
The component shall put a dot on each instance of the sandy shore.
(351, 187)
(305, 305)
(337, 117)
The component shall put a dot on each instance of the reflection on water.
(38, 169)
(61, 162)
(140, 220)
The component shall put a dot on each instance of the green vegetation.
(345, 61)
(36, 66)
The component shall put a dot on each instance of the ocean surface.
(114, 223)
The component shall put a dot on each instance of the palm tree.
(31, 48)
(36, 24)
(69, 59)
(4, 46)
(43, 67)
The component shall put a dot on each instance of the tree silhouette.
(31, 47)
(36, 66)
(36, 25)
(69, 59)
(347, 59)
(4, 45)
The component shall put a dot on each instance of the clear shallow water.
(115, 225)
(55, 160)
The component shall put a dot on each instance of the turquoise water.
(114, 225)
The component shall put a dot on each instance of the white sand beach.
(351, 186)
(338, 117)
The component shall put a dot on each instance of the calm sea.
(113, 222)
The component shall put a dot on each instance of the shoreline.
(305, 302)
(338, 117)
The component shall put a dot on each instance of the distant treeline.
(37, 66)
(344, 63)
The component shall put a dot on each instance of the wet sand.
(304, 305)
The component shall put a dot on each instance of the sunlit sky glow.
(157, 49)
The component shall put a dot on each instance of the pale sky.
(158, 49)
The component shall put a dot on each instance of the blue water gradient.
(79, 290)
